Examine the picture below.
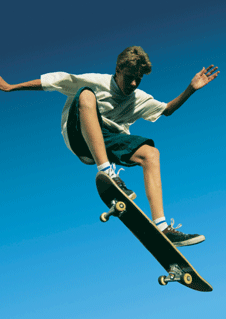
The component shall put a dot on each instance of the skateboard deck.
(171, 259)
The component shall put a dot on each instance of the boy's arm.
(31, 85)
(202, 78)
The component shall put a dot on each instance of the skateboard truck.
(175, 274)
(117, 209)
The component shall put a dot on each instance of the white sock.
(106, 168)
(161, 223)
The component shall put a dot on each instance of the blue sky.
(57, 259)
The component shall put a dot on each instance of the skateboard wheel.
(120, 206)
(187, 279)
(104, 218)
(161, 281)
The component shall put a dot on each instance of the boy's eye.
(130, 79)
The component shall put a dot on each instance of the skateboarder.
(98, 113)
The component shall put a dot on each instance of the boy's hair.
(135, 59)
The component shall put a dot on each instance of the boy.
(98, 113)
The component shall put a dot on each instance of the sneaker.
(180, 239)
(115, 177)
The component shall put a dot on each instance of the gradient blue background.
(57, 259)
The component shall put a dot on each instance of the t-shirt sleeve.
(147, 107)
(153, 109)
(60, 81)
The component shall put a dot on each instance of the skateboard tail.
(147, 233)
(148, 240)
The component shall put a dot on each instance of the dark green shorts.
(119, 146)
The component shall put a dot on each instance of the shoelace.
(114, 169)
(172, 223)
(116, 178)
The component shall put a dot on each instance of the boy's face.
(127, 81)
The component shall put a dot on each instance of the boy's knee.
(146, 155)
(152, 155)
(87, 99)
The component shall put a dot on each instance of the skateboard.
(171, 259)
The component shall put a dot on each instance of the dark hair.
(135, 59)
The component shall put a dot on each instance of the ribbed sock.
(106, 168)
(161, 223)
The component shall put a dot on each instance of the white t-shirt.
(117, 110)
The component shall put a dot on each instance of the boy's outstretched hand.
(31, 85)
(205, 76)
(4, 86)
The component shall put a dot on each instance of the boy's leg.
(92, 134)
(89, 124)
(148, 157)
